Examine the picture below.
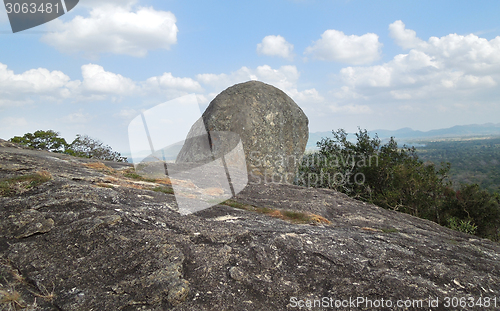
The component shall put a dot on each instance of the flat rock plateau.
(78, 234)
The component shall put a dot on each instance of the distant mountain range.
(406, 134)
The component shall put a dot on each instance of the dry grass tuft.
(290, 216)
(46, 295)
(163, 181)
(104, 185)
(319, 219)
(166, 190)
(11, 297)
(16, 185)
(100, 167)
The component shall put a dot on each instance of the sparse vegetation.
(82, 146)
(10, 297)
(119, 178)
(291, 216)
(104, 185)
(166, 190)
(462, 225)
(390, 230)
(87, 147)
(99, 166)
(131, 173)
(16, 185)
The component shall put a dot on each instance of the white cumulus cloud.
(115, 29)
(334, 45)
(405, 38)
(97, 84)
(16, 89)
(453, 66)
(168, 81)
(98, 81)
(275, 46)
(284, 78)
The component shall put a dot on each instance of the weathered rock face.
(92, 239)
(273, 129)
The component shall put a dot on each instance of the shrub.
(87, 147)
(462, 225)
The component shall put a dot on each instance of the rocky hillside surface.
(76, 234)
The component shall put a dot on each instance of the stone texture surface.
(89, 239)
(273, 129)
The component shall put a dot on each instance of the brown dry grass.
(10, 298)
(287, 215)
(99, 166)
(163, 181)
(213, 191)
(19, 184)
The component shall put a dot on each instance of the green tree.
(43, 140)
(477, 206)
(395, 178)
(386, 175)
(87, 147)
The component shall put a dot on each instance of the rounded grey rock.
(272, 127)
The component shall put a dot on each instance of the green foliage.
(462, 225)
(395, 178)
(133, 175)
(83, 145)
(87, 147)
(296, 216)
(12, 186)
(43, 140)
(470, 203)
(385, 175)
(390, 230)
(473, 161)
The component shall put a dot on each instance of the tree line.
(395, 178)
(82, 146)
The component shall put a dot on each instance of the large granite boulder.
(272, 127)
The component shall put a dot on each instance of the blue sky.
(372, 64)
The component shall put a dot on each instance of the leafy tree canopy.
(87, 147)
(43, 140)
